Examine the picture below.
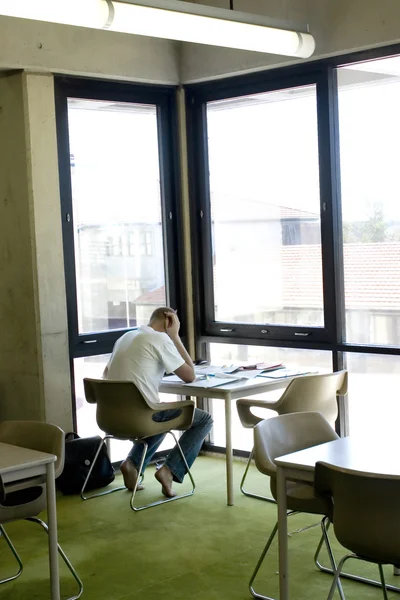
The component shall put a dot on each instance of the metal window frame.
(324, 74)
(165, 99)
(208, 329)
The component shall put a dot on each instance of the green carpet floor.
(193, 549)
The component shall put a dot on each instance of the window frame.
(208, 329)
(197, 94)
(165, 100)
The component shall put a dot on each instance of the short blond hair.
(159, 313)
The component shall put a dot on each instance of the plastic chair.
(306, 393)
(366, 519)
(26, 498)
(124, 413)
(279, 436)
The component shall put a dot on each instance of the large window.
(265, 208)
(369, 121)
(297, 226)
(121, 218)
(116, 200)
(261, 193)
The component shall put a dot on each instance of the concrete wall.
(339, 27)
(47, 47)
(34, 361)
(34, 375)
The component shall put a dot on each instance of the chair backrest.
(27, 498)
(288, 433)
(36, 435)
(314, 393)
(122, 410)
(366, 516)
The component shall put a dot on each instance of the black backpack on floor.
(79, 454)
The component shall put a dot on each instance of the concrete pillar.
(34, 360)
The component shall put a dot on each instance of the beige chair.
(26, 498)
(124, 413)
(366, 518)
(279, 436)
(307, 393)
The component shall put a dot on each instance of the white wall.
(38, 46)
(339, 26)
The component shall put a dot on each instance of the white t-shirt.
(143, 356)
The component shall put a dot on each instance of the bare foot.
(130, 475)
(164, 476)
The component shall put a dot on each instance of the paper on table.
(211, 377)
(282, 373)
(208, 370)
(262, 366)
(213, 382)
(248, 374)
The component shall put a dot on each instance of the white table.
(19, 463)
(227, 393)
(376, 454)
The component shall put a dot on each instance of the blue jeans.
(190, 442)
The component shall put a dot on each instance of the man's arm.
(186, 372)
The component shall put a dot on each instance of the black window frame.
(323, 73)
(165, 99)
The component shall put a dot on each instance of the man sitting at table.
(143, 356)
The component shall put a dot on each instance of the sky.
(115, 176)
(265, 151)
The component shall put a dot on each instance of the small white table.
(20, 463)
(373, 455)
(227, 393)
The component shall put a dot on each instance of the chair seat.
(23, 484)
(301, 497)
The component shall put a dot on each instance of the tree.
(374, 230)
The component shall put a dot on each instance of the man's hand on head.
(172, 324)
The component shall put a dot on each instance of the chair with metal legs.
(306, 393)
(25, 499)
(124, 413)
(279, 436)
(364, 510)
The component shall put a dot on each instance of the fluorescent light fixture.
(170, 19)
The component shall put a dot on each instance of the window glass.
(292, 358)
(265, 208)
(369, 120)
(373, 402)
(116, 198)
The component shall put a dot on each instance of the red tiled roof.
(293, 213)
(156, 297)
(371, 271)
(240, 209)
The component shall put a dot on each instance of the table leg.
(52, 523)
(229, 450)
(282, 535)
